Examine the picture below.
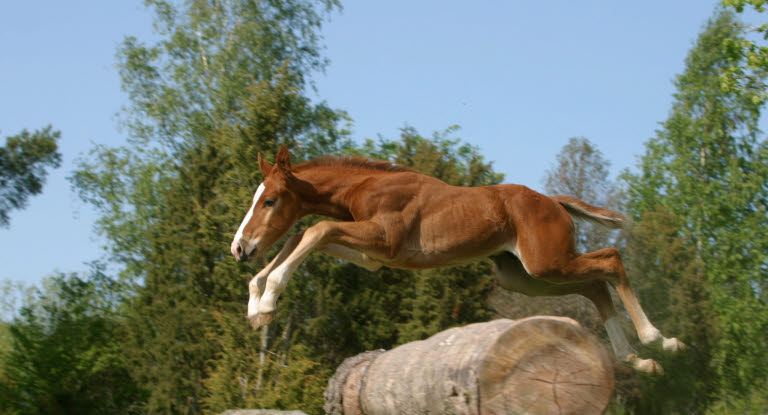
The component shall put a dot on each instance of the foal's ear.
(283, 159)
(264, 166)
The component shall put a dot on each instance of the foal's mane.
(351, 163)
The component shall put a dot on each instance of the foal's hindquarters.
(543, 261)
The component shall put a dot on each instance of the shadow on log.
(537, 365)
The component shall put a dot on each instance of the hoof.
(673, 345)
(261, 319)
(648, 366)
(664, 344)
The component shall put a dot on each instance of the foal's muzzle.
(240, 252)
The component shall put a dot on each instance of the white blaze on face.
(239, 235)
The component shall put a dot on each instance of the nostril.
(237, 250)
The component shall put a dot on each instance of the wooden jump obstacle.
(536, 365)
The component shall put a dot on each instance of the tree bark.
(537, 365)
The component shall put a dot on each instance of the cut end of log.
(534, 365)
(546, 365)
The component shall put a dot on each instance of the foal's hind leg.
(513, 276)
(605, 265)
(598, 293)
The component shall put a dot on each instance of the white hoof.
(261, 319)
(654, 339)
(673, 345)
(648, 366)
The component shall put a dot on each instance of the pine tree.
(582, 172)
(225, 81)
(275, 109)
(699, 205)
(228, 82)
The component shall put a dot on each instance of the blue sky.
(520, 78)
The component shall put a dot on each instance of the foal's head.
(274, 210)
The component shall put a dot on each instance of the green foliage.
(13, 296)
(754, 402)
(196, 77)
(23, 163)
(185, 283)
(662, 268)
(298, 382)
(699, 205)
(748, 56)
(63, 355)
(440, 156)
(183, 338)
(228, 80)
(225, 81)
(235, 373)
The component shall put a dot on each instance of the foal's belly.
(449, 226)
(421, 261)
(417, 254)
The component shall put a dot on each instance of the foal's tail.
(583, 210)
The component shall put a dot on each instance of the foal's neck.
(331, 191)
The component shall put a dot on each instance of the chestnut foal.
(391, 216)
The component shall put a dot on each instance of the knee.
(318, 233)
(321, 228)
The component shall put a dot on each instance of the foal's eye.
(269, 203)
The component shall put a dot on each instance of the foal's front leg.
(258, 283)
(357, 236)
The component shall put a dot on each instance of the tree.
(226, 80)
(582, 172)
(23, 163)
(192, 83)
(699, 204)
(63, 354)
(745, 74)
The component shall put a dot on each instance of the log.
(260, 412)
(536, 365)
